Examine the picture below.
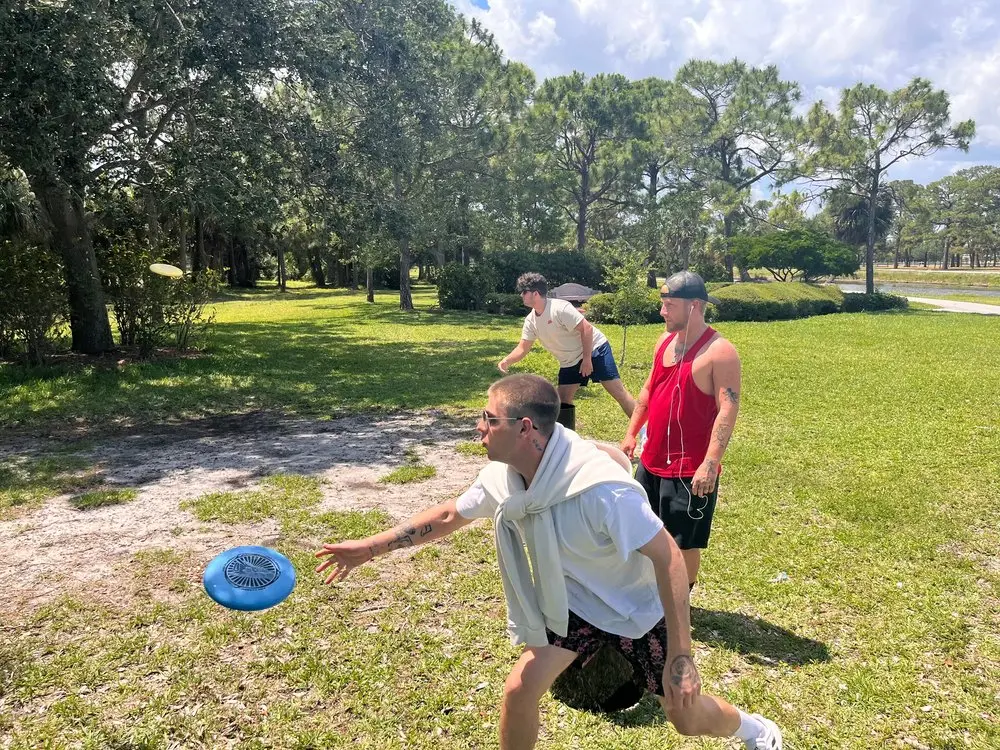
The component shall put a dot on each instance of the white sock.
(750, 729)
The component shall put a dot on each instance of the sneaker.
(771, 739)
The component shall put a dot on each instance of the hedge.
(861, 302)
(776, 300)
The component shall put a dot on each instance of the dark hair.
(525, 395)
(532, 282)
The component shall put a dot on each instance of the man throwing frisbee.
(606, 573)
(583, 352)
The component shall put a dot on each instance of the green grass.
(865, 465)
(471, 448)
(409, 473)
(25, 483)
(102, 498)
(981, 299)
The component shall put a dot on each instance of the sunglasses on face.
(491, 420)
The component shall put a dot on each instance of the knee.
(519, 693)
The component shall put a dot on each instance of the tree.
(624, 271)
(741, 130)
(796, 253)
(92, 90)
(590, 125)
(874, 130)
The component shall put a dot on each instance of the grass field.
(982, 299)
(865, 466)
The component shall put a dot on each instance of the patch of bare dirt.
(57, 549)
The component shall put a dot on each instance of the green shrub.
(500, 303)
(557, 266)
(861, 302)
(776, 301)
(462, 287)
(33, 300)
(600, 308)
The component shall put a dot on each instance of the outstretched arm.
(426, 526)
(519, 352)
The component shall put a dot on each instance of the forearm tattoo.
(721, 434)
(403, 539)
(427, 529)
(682, 669)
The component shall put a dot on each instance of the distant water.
(922, 290)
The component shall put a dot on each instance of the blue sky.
(823, 45)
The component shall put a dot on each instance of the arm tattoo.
(732, 396)
(427, 529)
(682, 668)
(722, 433)
(403, 539)
(371, 551)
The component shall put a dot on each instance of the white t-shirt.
(556, 329)
(609, 583)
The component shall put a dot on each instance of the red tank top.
(680, 418)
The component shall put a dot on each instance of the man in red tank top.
(689, 405)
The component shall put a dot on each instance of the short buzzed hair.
(532, 396)
(532, 282)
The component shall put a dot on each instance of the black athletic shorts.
(647, 654)
(687, 517)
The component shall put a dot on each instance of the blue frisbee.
(249, 578)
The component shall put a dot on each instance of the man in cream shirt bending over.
(583, 352)
(606, 573)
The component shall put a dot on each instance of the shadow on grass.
(306, 368)
(761, 642)
(604, 686)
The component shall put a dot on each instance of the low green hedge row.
(744, 301)
(763, 301)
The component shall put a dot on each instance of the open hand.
(343, 558)
(586, 367)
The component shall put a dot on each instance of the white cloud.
(522, 34)
(824, 46)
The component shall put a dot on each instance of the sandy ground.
(56, 549)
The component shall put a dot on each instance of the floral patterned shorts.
(647, 655)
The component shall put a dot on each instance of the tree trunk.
(405, 299)
(316, 267)
(182, 241)
(369, 285)
(870, 244)
(89, 324)
(581, 219)
(200, 259)
(282, 270)
(947, 253)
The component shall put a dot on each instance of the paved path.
(950, 305)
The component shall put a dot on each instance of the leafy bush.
(861, 302)
(499, 303)
(796, 253)
(463, 287)
(776, 301)
(557, 266)
(32, 300)
(601, 308)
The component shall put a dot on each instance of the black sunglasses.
(490, 419)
